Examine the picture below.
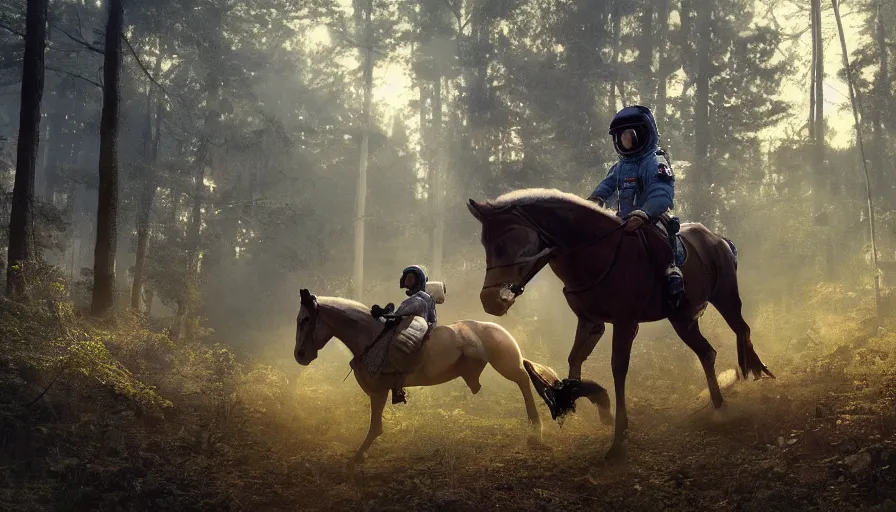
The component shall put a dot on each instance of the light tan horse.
(461, 349)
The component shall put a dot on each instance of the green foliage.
(48, 337)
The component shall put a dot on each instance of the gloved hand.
(376, 311)
(389, 309)
(635, 220)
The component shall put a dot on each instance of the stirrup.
(673, 270)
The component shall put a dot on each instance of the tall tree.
(813, 5)
(211, 52)
(644, 63)
(21, 228)
(881, 104)
(665, 66)
(853, 98)
(363, 17)
(704, 207)
(437, 181)
(818, 72)
(107, 204)
(152, 129)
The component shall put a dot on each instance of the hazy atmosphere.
(174, 172)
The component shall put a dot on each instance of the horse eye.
(303, 321)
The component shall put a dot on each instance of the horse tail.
(733, 250)
(561, 395)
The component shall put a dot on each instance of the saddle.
(398, 350)
(659, 243)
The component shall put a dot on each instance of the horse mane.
(351, 308)
(528, 196)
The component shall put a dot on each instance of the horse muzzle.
(303, 357)
(498, 300)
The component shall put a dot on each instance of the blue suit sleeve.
(606, 187)
(659, 194)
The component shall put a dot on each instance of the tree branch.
(12, 30)
(152, 79)
(80, 41)
(143, 67)
(74, 75)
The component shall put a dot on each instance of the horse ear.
(305, 296)
(476, 209)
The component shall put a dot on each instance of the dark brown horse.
(610, 276)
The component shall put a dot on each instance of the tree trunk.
(819, 91)
(21, 221)
(56, 120)
(40, 182)
(663, 70)
(854, 100)
(882, 92)
(150, 154)
(704, 203)
(616, 16)
(812, 8)
(823, 187)
(645, 56)
(361, 203)
(437, 185)
(107, 204)
(187, 303)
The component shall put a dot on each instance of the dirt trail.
(791, 444)
(806, 441)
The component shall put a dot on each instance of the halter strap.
(553, 248)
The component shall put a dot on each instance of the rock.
(858, 463)
(822, 411)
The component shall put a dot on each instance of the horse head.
(516, 249)
(311, 333)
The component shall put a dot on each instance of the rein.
(553, 249)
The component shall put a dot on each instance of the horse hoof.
(720, 414)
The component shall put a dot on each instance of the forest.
(175, 171)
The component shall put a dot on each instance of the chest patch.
(664, 172)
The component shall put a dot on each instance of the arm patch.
(664, 173)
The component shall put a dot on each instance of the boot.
(675, 285)
(399, 395)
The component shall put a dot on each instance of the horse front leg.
(587, 336)
(375, 430)
(623, 338)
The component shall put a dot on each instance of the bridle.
(552, 248)
(311, 305)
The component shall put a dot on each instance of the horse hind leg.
(747, 359)
(509, 364)
(689, 332)
(471, 370)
